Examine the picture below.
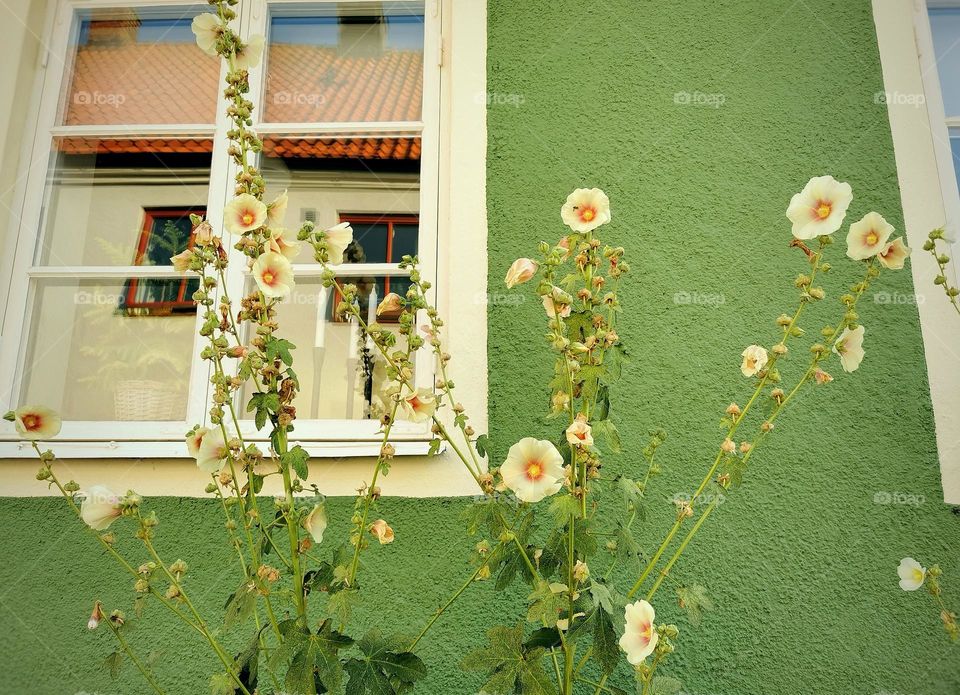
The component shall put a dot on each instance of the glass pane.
(945, 27)
(343, 62)
(139, 65)
(371, 182)
(91, 357)
(339, 377)
(109, 201)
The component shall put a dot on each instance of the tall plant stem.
(133, 657)
(436, 616)
(299, 598)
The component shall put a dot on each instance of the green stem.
(300, 599)
(440, 611)
(133, 657)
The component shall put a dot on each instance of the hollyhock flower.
(381, 529)
(181, 262)
(912, 574)
(36, 422)
(96, 616)
(203, 233)
(315, 523)
(274, 275)
(754, 359)
(249, 54)
(565, 245)
(868, 236)
(821, 376)
(894, 254)
(579, 432)
(99, 508)
(284, 242)
(580, 571)
(522, 270)
(244, 214)
(277, 210)
(419, 405)
(338, 238)
(207, 28)
(850, 348)
(820, 207)
(585, 209)
(557, 301)
(213, 450)
(533, 469)
(389, 303)
(194, 439)
(639, 636)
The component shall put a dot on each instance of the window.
(101, 327)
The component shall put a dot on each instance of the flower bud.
(96, 616)
(728, 447)
(733, 409)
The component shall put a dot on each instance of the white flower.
(419, 405)
(579, 432)
(820, 207)
(244, 214)
(277, 210)
(522, 270)
(284, 242)
(249, 54)
(381, 529)
(868, 236)
(533, 469)
(894, 254)
(212, 451)
(754, 359)
(274, 275)
(206, 27)
(194, 439)
(585, 209)
(37, 422)
(338, 238)
(99, 508)
(850, 348)
(912, 574)
(639, 635)
(315, 523)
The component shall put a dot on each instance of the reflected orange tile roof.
(169, 83)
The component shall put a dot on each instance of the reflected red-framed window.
(165, 233)
(379, 238)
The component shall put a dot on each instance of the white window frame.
(922, 150)
(115, 439)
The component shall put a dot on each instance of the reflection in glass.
(90, 358)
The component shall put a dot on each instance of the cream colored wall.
(460, 293)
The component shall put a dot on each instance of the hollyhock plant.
(522, 270)
(207, 30)
(37, 422)
(850, 348)
(100, 507)
(639, 635)
(249, 54)
(277, 210)
(274, 275)
(586, 209)
(418, 405)
(382, 532)
(284, 242)
(868, 237)
(338, 238)
(194, 439)
(754, 359)
(894, 254)
(211, 452)
(244, 214)
(819, 208)
(912, 574)
(533, 469)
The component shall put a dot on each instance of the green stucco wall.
(801, 561)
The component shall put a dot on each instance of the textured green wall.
(801, 561)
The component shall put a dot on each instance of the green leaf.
(113, 663)
(694, 600)
(601, 409)
(483, 445)
(297, 459)
(606, 431)
(509, 666)
(605, 645)
(248, 661)
(545, 604)
(280, 348)
(222, 684)
(434, 447)
(545, 638)
(630, 490)
(340, 605)
(240, 605)
(384, 663)
(562, 508)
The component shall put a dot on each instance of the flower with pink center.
(244, 214)
(585, 209)
(868, 236)
(820, 207)
(100, 507)
(894, 254)
(250, 53)
(36, 422)
(274, 275)
(419, 405)
(850, 348)
(206, 28)
(533, 469)
(277, 210)
(639, 633)
(284, 242)
(579, 432)
(194, 439)
(522, 270)
(212, 451)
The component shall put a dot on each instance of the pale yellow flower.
(579, 433)
(284, 242)
(100, 507)
(381, 529)
(820, 207)
(639, 635)
(912, 574)
(389, 303)
(207, 28)
(522, 270)
(37, 422)
(894, 254)
(338, 238)
(850, 348)
(315, 523)
(244, 213)
(754, 359)
(868, 236)
(533, 469)
(250, 53)
(585, 209)
(274, 275)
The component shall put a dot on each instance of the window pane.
(109, 201)
(329, 356)
(369, 181)
(139, 65)
(343, 62)
(92, 358)
(945, 27)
